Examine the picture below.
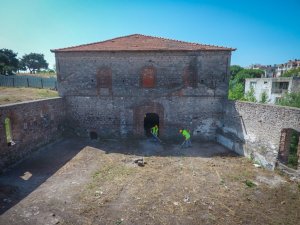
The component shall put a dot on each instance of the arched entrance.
(146, 116)
(150, 120)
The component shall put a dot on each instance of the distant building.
(277, 70)
(282, 68)
(274, 87)
(269, 69)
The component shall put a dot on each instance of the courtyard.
(82, 181)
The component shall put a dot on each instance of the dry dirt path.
(76, 181)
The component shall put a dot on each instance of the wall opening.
(7, 125)
(104, 81)
(289, 148)
(93, 135)
(190, 77)
(150, 120)
(148, 77)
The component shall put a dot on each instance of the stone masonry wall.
(33, 124)
(78, 73)
(125, 116)
(110, 92)
(254, 130)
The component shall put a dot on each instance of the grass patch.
(109, 173)
(45, 93)
(13, 95)
(249, 183)
(112, 172)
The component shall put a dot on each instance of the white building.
(274, 87)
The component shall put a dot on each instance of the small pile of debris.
(140, 162)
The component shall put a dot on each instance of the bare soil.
(14, 95)
(77, 181)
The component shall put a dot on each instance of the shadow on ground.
(28, 175)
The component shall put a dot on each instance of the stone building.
(123, 86)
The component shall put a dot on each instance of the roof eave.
(145, 50)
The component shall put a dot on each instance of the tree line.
(10, 64)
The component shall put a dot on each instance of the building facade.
(123, 86)
(273, 87)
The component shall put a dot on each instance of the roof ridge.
(149, 37)
(97, 42)
(185, 42)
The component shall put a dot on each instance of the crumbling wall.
(33, 124)
(254, 130)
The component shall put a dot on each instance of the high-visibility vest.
(186, 134)
(154, 130)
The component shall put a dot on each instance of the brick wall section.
(254, 130)
(33, 124)
(284, 145)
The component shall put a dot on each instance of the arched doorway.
(150, 120)
(141, 120)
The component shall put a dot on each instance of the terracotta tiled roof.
(138, 42)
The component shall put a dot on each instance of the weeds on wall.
(290, 99)
(250, 95)
(264, 97)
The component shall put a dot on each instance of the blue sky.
(266, 32)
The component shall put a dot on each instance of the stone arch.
(148, 77)
(104, 81)
(139, 113)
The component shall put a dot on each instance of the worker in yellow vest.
(187, 142)
(154, 132)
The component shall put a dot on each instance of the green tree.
(236, 92)
(8, 62)
(237, 84)
(34, 62)
(264, 97)
(247, 73)
(250, 95)
(290, 99)
(234, 69)
(292, 73)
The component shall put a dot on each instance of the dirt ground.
(14, 95)
(78, 181)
